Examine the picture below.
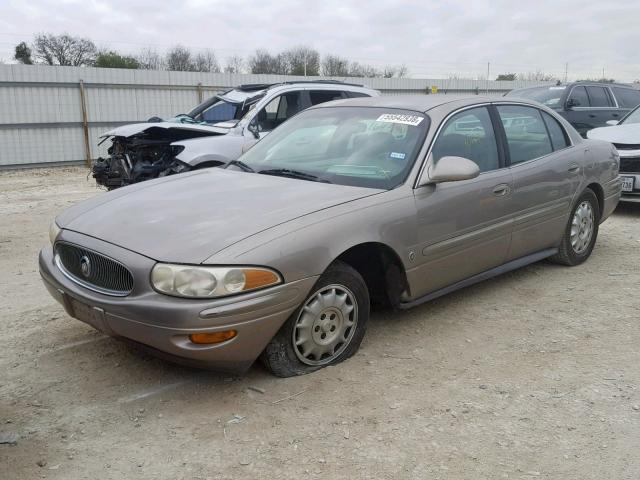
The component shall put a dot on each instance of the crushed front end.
(135, 159)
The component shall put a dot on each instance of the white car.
(625, 136)
(214, 133)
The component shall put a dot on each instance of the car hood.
(620, 134)
(168, 127)
(189, 217)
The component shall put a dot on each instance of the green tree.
(113, 59)
(23, 54)
(506, 76)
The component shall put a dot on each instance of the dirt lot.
(531, 375)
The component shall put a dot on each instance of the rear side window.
(357, 94)
(627, 97)
(469, 134)
(321, 96)
(527, 136)
(599, 97)
(579, 97)
(559, 139)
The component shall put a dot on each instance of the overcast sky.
(432, 38)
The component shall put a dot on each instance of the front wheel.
(581, 232)
(326, 329)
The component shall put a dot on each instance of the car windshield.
(549, 96)
(358, 146)
(222, 111)
(632, 117)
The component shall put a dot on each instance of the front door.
(463, 228)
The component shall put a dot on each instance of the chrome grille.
(93, 270)
(626, 146)
(630, 165)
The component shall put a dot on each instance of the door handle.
(614, 115)
(591, 115)
(501, 190)
(573, 168)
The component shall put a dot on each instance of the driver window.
(469, 134)
(579, 97)
(278, 110)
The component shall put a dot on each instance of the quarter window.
(599, 97)
(559, 139)
(579, 97)
(321, 96)
(469, 134)
(527, 136)
(627, 97)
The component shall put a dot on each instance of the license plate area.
(94, 316)
(627, 183)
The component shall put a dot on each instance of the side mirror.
(572, 102)
(450, 169)
(255, 128)
(613, 123)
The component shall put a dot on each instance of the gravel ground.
(531, 375)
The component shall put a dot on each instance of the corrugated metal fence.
(55, 115)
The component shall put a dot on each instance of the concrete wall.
(41, 119)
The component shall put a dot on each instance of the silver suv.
(214, 133)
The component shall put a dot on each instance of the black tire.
(280, 355)
(567, 255)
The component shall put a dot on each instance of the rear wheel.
(326, 329)
(581, 232)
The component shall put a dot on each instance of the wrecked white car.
(214, 133)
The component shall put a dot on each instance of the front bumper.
(630, 167)
(163, 324)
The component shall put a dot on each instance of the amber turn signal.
(212, 337)
(259, 278)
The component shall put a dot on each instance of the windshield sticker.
(400, 118)
(398, 155)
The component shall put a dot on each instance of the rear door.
(603, 105)
(463, 228)
(546, 174)
(627, 99)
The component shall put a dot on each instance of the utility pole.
(566, 71)
(487, 89)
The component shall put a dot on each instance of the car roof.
(418, 103)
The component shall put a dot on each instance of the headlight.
(196, 281)
(54, 231)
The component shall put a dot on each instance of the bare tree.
(150, 59)
(64, 50)
(263, 62)
(179, 59)
(537, 76)
(206, 62)
(402, 71)
(235, 64)
(363, 70)
(301, 60)
(23, 54)
(335, 66)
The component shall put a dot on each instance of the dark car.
(585, 105)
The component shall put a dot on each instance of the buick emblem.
(85, 266)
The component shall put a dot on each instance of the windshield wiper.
(286, 172)
(243, 166)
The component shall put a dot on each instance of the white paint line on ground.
(153, 391)
(75, 344)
